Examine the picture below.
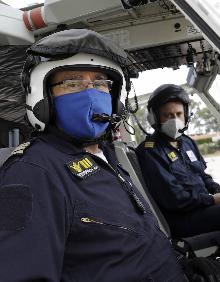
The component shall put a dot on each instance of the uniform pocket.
(102, 223)
(101, 219)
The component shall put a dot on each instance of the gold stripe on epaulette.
(20, 149)
(149, 144)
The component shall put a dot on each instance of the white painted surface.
(213, 167)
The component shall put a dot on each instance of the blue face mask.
(74, 112)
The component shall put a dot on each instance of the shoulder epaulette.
(149, 144)
(20, 149)
(149, 141)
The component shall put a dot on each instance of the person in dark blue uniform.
(174, 169)
(68, 209)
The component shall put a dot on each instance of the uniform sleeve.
(164, 186)
(33, 224)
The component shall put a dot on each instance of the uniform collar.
(165, 140)
(60, 141)
(64, 143)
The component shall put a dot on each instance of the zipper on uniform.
(88, 220)
(130, 190)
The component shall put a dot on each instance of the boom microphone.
(187, 124)
(101, 118)
(106, 118)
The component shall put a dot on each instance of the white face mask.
(172, 126)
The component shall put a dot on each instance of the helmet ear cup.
(151, 118)
(41, 110)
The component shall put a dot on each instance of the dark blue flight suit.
(178, 183)
(67, 215)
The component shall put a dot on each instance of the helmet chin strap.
(88, 142)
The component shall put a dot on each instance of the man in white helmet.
(68, 210)
(174, 169)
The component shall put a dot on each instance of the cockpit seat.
(127, 157)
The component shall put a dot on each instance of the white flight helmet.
(70, 50)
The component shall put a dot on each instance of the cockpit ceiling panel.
(12, 96)
(171, 55)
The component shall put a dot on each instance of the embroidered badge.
(172, 156)
(82, 168)
(149, 144)
(191, 156)
(20, 149)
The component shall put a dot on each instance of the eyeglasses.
(79, 85)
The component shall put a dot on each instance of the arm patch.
(16, 204)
